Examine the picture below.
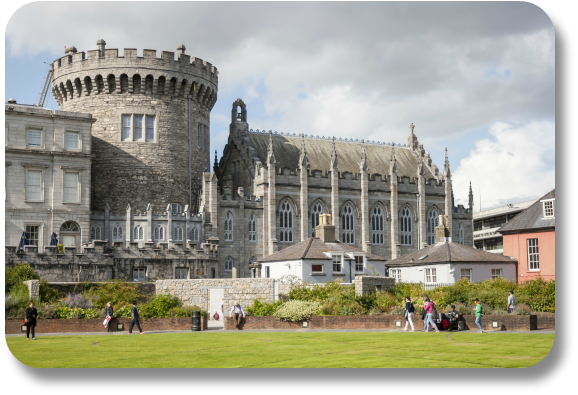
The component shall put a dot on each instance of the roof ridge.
(307, 248)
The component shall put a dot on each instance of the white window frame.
(181, 270)
(64, 174)
(229, 263)
(117, 233)
(315, 211)
(95, 233)
(318, 264)
(229, 226)
(395, 274)
(432, 221)
(41, 197)
(267, 272)
(348, 223)
(159, 233)
(146, 127)
(42, 137)
(337, 260)
(126, 128)
(548, 212)
(377, 225)
(38, 235)
(138, 232)
(406, 226)
(355, 257)
(430, 275)
(178, 233)
(286, 222)
(132, 127)
(533, 255)
(253, 228)
(467, 273)
(494, 276)
(78, 140)
(135, 128)
(140, 274)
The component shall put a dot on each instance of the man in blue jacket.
(134, 318)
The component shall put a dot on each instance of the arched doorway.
(70, 234)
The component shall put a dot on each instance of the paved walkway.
(218, 329)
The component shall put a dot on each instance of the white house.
(320, 259)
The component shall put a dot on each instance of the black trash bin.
(196, 323)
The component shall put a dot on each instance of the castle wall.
(150, 166)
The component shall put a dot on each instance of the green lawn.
(285, 350)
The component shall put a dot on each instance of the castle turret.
(151, 135)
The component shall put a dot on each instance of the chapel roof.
(287, 150)
(314, 248)
(531, 218)
(448, 252)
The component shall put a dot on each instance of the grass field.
(285, 350)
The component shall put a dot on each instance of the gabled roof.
(314, 248)
(287, 150)
(531, 218)
(448, 252)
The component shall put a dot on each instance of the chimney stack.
(325, 230)
(443, 230)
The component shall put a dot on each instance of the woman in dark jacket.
(108, 313)
(31, 314)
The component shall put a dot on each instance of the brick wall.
(506, 322)
(546, 320)
(95, 325)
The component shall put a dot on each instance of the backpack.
(411, 308)
(434, 311)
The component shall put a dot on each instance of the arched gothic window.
(178, 233)
(461, 234)
(229, 264)
(252, 228)
(117, 233)
(317, 209)
(95, 232)
(377, 234)
(432, 222)
(229, 226)
(138, 233)
(406, 226)
(348, 224)
(195, 234)
(159, 233)
(286, 222)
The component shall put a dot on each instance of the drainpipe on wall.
(419, 225)
(190, 152)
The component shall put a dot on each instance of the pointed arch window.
(461, 234)
(138, 233)
(348, 224)
(95, 233)
(286, 222)
(117, 233)
(229, 226)
(432, 222)
(317, 209)
(178, 233)
(195, 234)
(406, 227)
(377, 225)
(253, 228)
(229, 264)
(159, 233)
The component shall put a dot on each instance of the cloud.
(509, 167)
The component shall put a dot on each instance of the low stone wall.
(95, 325)
(546, 320)
(506, 322)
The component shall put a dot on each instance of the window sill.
(71, 203)
(33, 201)
(317, 274)
(339, 274)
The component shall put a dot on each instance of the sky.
(477, 78)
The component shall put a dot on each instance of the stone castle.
(154, 200)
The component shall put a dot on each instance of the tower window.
(347, 224)
(286, 222)
(406, 227)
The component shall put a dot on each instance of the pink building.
(530, 237)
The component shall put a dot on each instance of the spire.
(216, 165)
(447, 172)
(363, 163)
(303, 155)
(471, 198)
(333, 156)
(392, 163)
(412, 139)
(270, 153)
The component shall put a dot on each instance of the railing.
(427, 286)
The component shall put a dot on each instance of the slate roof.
(531, 218)
(287, 150)
(448, 252)
(314, 248)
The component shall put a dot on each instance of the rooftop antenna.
(480, 190)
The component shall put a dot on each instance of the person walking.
(408, 313)
(424, 313)
(478, 311)
(511, 302)
(108, 313)
(428, 307)
(30, 320)
(134, 317)
(237, 309)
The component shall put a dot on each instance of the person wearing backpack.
(479, 314)
(408, 314)
(429, 306)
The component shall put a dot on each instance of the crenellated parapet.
(104, 72)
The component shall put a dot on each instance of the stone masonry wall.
(367, 284)
(33, 288)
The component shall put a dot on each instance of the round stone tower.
(151, 139)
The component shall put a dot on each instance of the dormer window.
(548, 208)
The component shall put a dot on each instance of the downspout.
(350, 276)
(419, 223)
(52, 203)
(190, 149)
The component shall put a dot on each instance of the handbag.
(105, 322)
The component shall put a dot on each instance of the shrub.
(499, 311)
(329, 308)
(46, 312)
(296, 310)
(159, 306)
(522, 309)
(464, 309)
(15, 275)
(47, 294)
(118, 292)
(397, 310)
(374, 311)
(385, 301)
(121, 312)
(186, 311)
(259, 309)
(78, 300)
(15, 314)
(60, 248)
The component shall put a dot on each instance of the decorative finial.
(411, 127)
(333, 155)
